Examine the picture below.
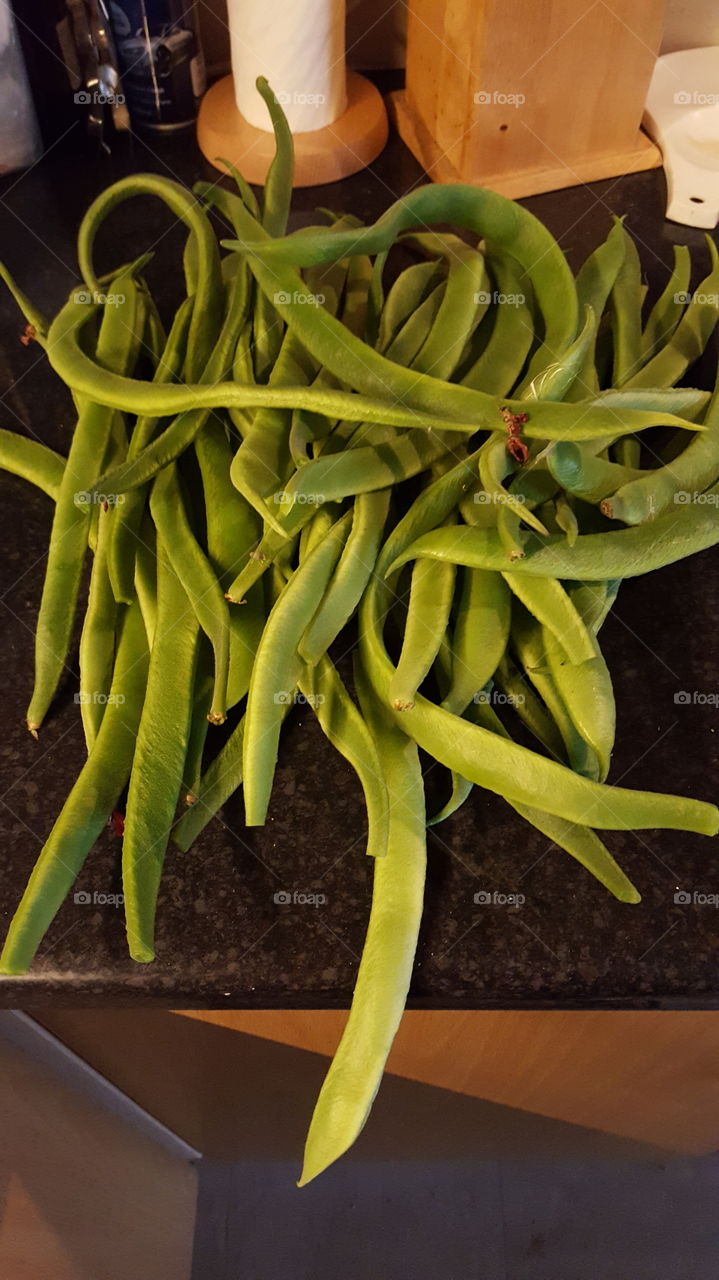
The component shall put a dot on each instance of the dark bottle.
(160, 60)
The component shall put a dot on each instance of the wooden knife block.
(529, 95)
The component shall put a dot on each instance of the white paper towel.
(299, 45)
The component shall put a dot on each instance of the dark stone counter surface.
(223, 939)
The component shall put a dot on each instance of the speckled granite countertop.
(223, 939)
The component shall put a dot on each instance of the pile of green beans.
(461, 458)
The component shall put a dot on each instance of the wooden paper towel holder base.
(520, 182)
(350, 143)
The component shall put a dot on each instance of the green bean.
(566, 518)
(593, 601)
(430, 601)
(350, 577)
(332, 477)
(154, 337)
(232, 529)
(662, 401)
(546, 600)
(271, 546)
(217, 784)
(407, 295)
(160, 754)
(346, 729)
(356, 295)
(578, 470)
(623, 553)
(32, 461)
(68, 540)
(626, 313)
(197, 577)
(89, 804)
(244, 189)
(482, 626)
(667, 310)
(34, 318)
(494, 464)
(278, 183)
(268, 328)
(595, 282)
(411, 337)
(459, 313)
(549, 421)
(316, 530)
(97, 639)
(375, 299)
(648, 496)
(277, 668)
(387, 957)
(528, 643)
(557, 378)
(460, 793)
(310, 428)
(690, 336)
(263, 460)
(585, 846)
(199, 723)
(127, 515)
(146, 577)
(479, 637)
(498, 366)
(586, 689)
(206, 283)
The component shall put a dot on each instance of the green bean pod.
(385, 969)
(690, 336)
(643, 498)
(116, 348)
(267, 329)
(127, 515)
(160, 755)
(32, 461)
(577, 469)
(88, 806)
(404, 299)
(479, 637)
(198, 579)
(626, 313)
(277, 669)
(350, 577)
(528, 644)
(668, 309)
(97, 639)
(547, 600)
(623, 553)
(498, 366)
(430, 601)
(595, 282)
(204, 278)
(34, 318)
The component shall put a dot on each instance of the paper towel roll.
(299, 45)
